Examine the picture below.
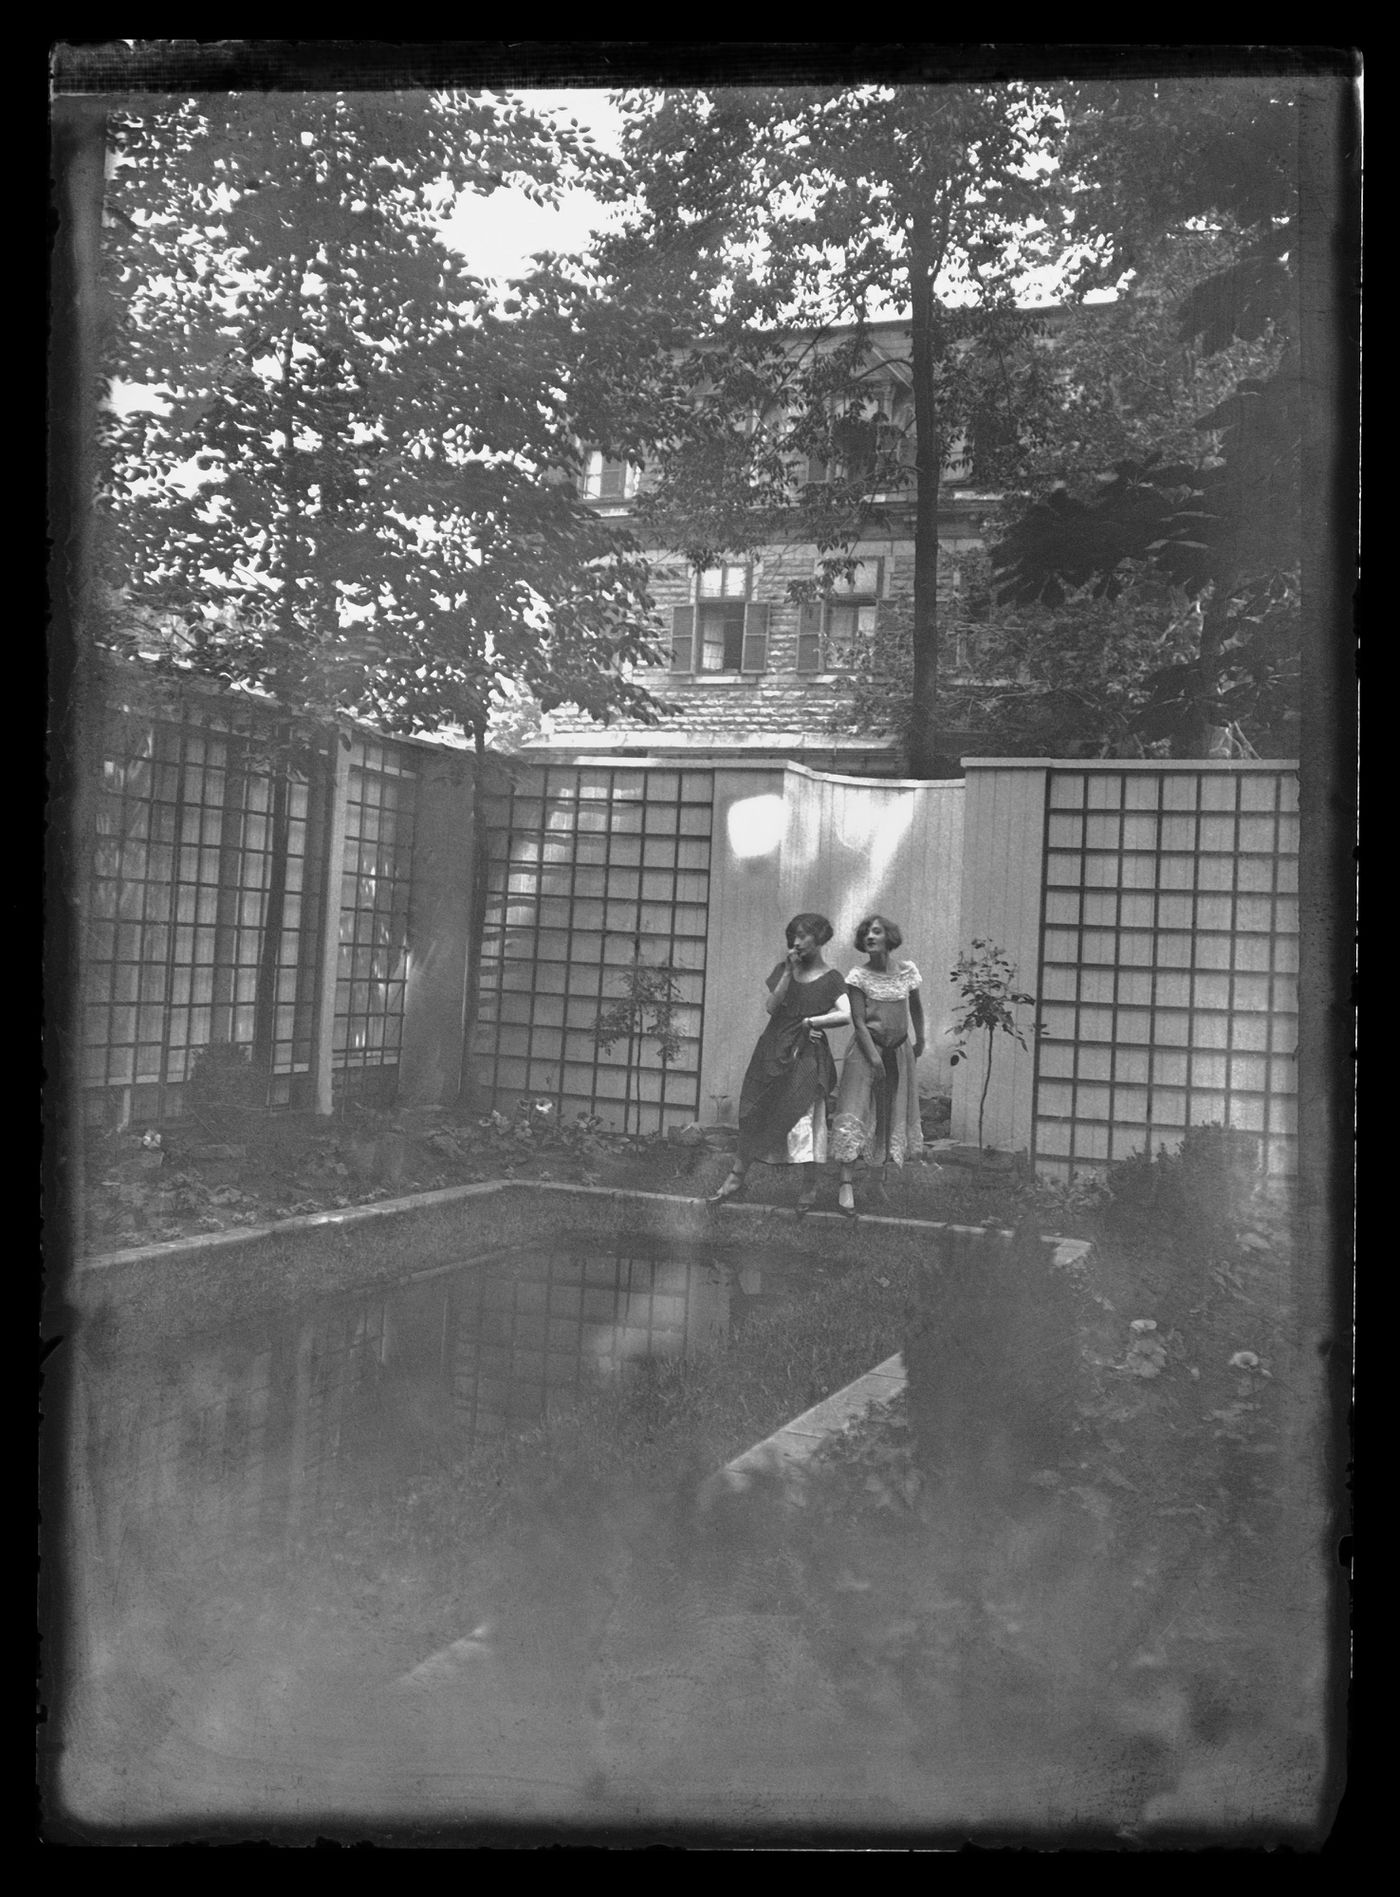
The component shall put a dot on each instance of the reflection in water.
(262, 1424)
(618, 1652)
(214, 1640)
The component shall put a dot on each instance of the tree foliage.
(763, 220)
(1149, 454)
(1097, 677)
(345, 479)
(987, 1002)
(651, 994)
(1214, 520)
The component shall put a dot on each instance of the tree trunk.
(632, 1044)
(925, 759)
(269, 948)
(291, 636)
(1203, 714)
(481, 877)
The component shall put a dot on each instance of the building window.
(724, 632)
(898, 438)
(867, 440)
(607, 480)
(957, 464)
(719, 638)
(723, 582)
(830, 632)
(847, 624)
(722, 593)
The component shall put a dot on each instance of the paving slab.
(789, 1449)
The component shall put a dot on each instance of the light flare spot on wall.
(891, 826)
(756, 825)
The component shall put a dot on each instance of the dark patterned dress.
(782, 1107)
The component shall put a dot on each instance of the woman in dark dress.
(782, 1108)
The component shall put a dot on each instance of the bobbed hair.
(894, 935)
(812, 924)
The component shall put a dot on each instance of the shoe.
(731, 1189)
(846, 1202)
(806, 1203)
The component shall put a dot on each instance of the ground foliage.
(1143, 1583)
(228, 1161)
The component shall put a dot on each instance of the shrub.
(994, 1358)
(225, 1083)
(1182, 1205)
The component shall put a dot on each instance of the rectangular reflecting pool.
(322, 1569)
(326, 1575)
(262, 1419)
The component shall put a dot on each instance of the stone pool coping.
(346, 1218)
(343, 1249)
(787, 1451)
(211, 1277)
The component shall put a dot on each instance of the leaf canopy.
(337, 470)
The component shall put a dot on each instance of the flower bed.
(154, 1185)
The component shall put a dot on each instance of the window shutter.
(809, 639)
(755, 657)
(683, 639)
(816, 468)
(872, 578)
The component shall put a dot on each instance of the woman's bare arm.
(837, 1017)
(916, 1020)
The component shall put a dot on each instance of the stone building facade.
(753, 675)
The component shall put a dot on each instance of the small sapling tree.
(988, 1004)
(646, 1009)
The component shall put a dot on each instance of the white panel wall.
(856, 846)
(1003, 842)
(745, 931)
(846, 847)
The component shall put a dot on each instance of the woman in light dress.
(782, 1108)
(877, 1103)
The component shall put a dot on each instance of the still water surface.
(267, 1421)
(233, 1649)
